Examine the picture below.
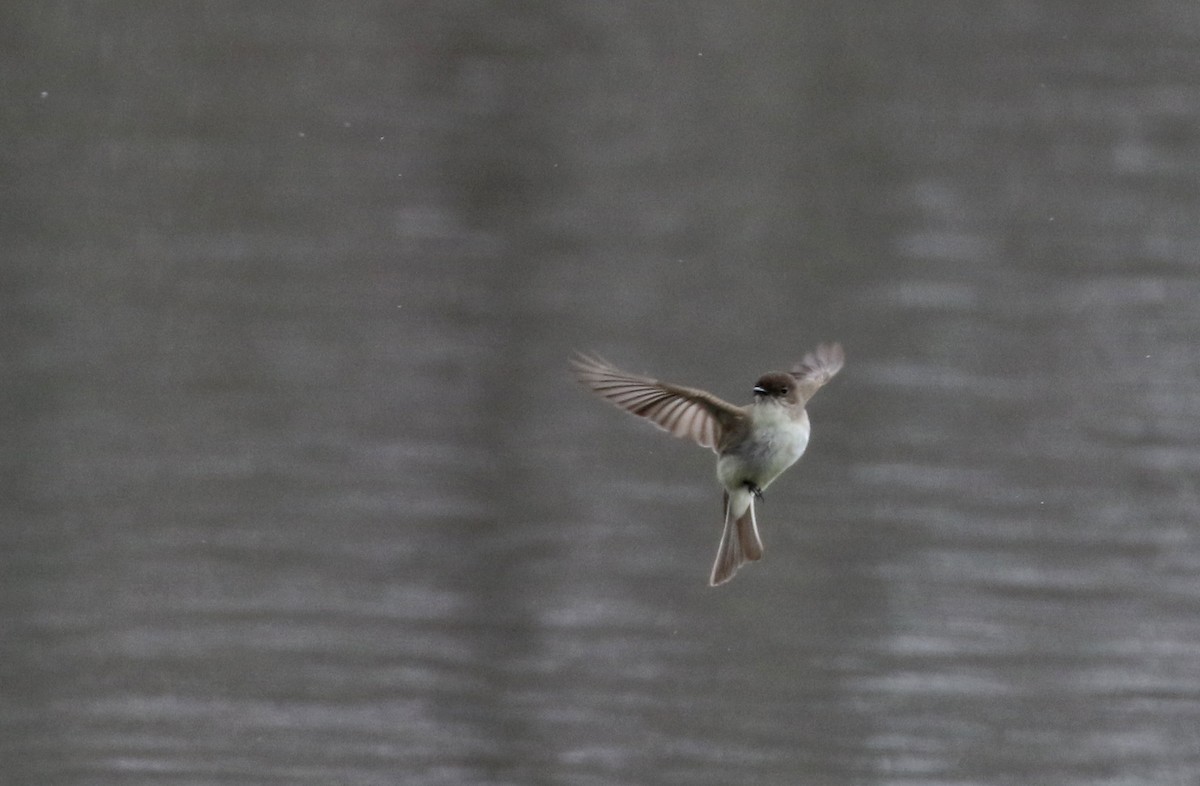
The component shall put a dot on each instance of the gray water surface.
(299, 491)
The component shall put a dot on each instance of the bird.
(754, 444)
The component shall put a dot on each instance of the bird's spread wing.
(685, 412)
(817, 368)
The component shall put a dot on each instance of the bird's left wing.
(817, 368)
(684, 412)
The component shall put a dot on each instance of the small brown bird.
(754, 444)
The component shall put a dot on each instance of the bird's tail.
(739, 541)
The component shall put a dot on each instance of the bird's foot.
(755, 490)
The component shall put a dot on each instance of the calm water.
(298, 490)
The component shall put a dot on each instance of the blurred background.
(298, 490)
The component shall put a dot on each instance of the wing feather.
(817, 368)
(684, 412)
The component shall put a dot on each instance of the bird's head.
(776, 386)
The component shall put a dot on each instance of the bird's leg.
(754, 489)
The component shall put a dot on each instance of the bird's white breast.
(779, 441)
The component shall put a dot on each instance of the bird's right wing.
(684, 412)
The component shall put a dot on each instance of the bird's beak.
(759, 390)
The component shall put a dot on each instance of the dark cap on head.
(777, 384)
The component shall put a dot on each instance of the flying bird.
(754, 443)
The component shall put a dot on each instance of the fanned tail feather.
(740, 542)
